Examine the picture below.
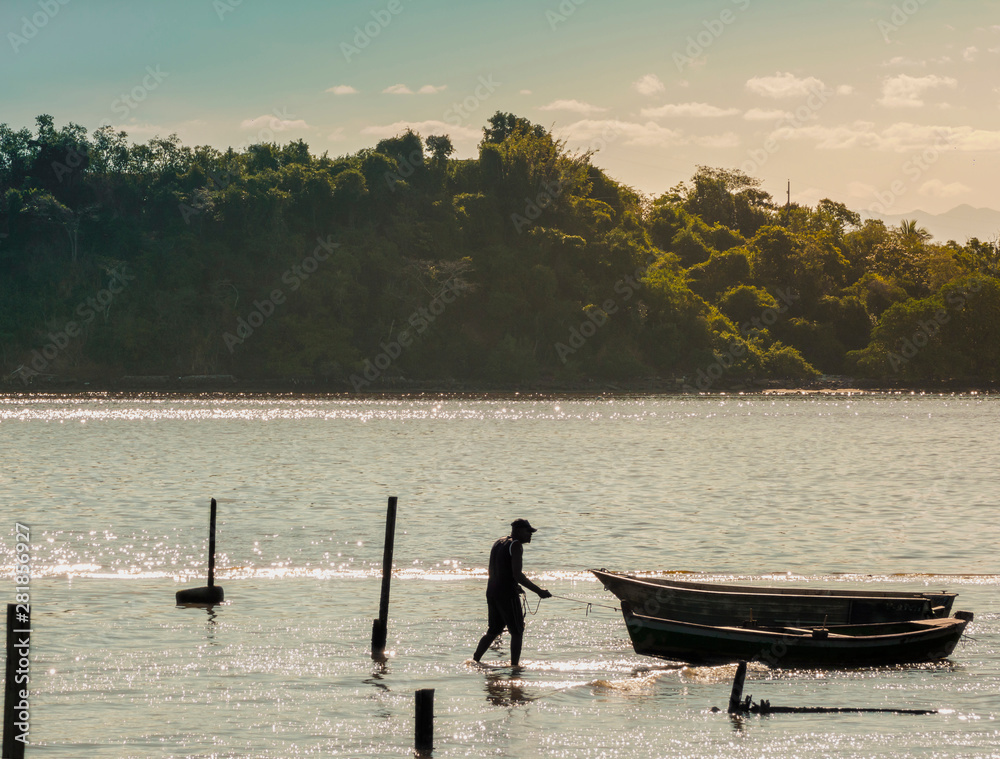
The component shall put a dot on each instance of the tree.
(836, 218)
(349, 189)
(911, 235)
(713, 197)
(440, 147)
(744, 303)
(774, 256)
(110, 152)
(504, 125)
(406, 149)
(16, 151)
(43, 206)
(317, 266)
(720, 272)
(752, 209)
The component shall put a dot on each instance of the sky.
(884, 106)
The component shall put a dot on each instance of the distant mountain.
(959, 224)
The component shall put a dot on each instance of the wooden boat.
(838, 645)
(718, 604)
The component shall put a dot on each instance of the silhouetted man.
(504, 587)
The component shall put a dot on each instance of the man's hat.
(523, 523)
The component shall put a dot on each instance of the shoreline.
(228, 384)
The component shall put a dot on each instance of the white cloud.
(761, 114)
(785, 85)
(424, 128)
(845, 89)
(605, 131)
(861, 190)
(596, 133)
(525, 92)
(904, 91)
(856, 135)
(935, 188)
(969, 54)
(725, 140)
(576, 106)
(900, 137)
(336, 135)
(397, 89)
(430, 89)
(697, 110)
(274, 123)
(342, 89)
(649, 84)
(900, 60)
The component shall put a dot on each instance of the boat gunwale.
(931, 629)
(749, 590)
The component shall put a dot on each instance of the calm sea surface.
(878, 491)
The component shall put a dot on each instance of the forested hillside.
(398, 263)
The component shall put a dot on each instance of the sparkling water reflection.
(893, 490)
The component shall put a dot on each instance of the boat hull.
(841, 646)
(720, 604)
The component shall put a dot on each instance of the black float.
(212, 594)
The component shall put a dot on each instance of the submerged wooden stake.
(764, 707)
(16, 708)
(380, 626)
(212, 594)
(736, 697)
(738, 705)
(423, 735)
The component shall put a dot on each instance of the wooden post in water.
(739, 707)
(380, 626)
(736, 697)
(423, 734)
(212, 594)
(16, 709)
(211, 546)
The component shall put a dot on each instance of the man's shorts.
(506, 612)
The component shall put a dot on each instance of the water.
(891, 492)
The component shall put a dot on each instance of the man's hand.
(543, 593)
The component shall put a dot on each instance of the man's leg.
(495, 627)
(514, 618)
(516, 638)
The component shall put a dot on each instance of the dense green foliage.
(526, 264)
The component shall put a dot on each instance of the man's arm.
(516, 557)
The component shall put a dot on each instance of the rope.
(526, 607)
(589, 604)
